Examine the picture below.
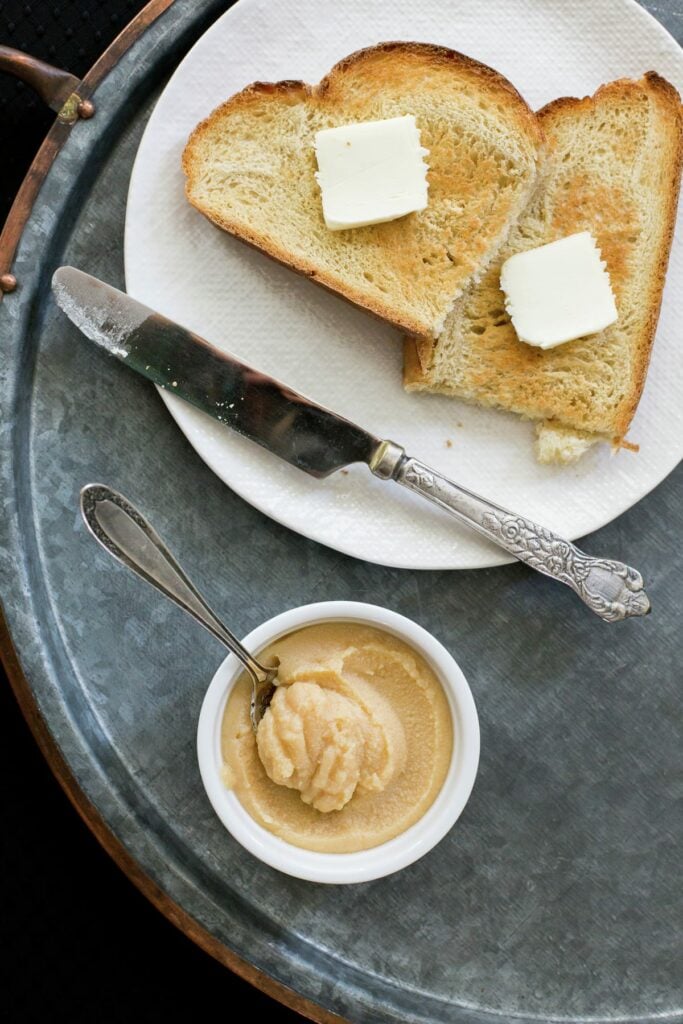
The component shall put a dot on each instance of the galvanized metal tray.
(557, 895)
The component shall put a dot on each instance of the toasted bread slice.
(251, 166)
(613, 168)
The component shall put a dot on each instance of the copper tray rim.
(9, 239)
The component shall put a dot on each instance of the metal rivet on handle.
(86, 109)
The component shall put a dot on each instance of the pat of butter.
(371, 172)
(558, 292)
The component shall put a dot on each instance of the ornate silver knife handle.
(612, 590)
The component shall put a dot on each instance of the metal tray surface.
(557, 894)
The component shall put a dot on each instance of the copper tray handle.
(57, 88)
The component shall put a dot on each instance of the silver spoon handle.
(124, 532)
(611, 589)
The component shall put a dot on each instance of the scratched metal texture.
(558, 893)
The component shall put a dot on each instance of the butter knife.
(318, 441)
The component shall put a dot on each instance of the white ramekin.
(409, 846)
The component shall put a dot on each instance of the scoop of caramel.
(326, 745)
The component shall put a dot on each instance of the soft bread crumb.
(561, 445)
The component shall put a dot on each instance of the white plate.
(179, 263)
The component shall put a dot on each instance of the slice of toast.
(251, 166)
(613, 167)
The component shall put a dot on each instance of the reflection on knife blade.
(291, 426)
(318, 441)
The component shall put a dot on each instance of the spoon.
(124, 532)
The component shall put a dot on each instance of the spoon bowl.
(123, 531)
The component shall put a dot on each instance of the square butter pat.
(371, 172)
(558, 292)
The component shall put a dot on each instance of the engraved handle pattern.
(612, 590)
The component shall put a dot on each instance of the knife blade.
(264, 410)
(317, 440)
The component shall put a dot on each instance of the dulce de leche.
(354, 747)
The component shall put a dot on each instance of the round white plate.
(180, 264)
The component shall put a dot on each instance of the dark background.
(79, 943)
